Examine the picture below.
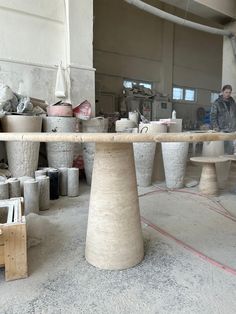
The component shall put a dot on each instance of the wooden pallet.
(13, 249)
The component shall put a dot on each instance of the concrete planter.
(22, 157)
(95, 125)
(144, 154)
(175, 159)
(59, 154)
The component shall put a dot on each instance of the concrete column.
(229, 61)
(167, 58)
(31, 196)
(80, 50)
(14, 187)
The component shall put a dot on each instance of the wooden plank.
(117, 137)
(15, 251)
(2, 258)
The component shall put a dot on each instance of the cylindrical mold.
(114, 236)
(14, 187)
(73, 182)
(95, 125)
(59, 154)
(144, 154)
(22, 180)
(63, 180)
(31, 197)
(40, 172)
(54, 183)
(44, 192)
(22, 156)
(4, 190)
(175, 158)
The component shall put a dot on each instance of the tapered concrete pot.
(59, 154)
(95, 125)
(175, 160)
(216, 149)
(114, 236)
(22, 157)
(144, 154)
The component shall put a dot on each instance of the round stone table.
(114, 235)
(208, 182)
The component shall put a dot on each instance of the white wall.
(130, 43)
(36, 35)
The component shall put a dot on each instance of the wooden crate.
(13, 248)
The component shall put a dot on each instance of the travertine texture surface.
(73, 182)
(114, 236)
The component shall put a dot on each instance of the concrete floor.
(185, 236)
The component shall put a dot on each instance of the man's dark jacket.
(223, 117)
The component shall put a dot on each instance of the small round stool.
(208, 182)
(231, 181)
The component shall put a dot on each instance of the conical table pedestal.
(208, 182)
(114, 236)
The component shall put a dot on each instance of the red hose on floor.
(190, 248)
(181, 243)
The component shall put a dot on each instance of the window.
(184, 93)
(178, 93)
(131, 83)
(214, 96)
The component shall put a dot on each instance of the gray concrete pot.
(59, 154)
(22, 157)
(175, 160)
(144, 154)
(95, 125)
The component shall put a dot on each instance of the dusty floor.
(189, 266)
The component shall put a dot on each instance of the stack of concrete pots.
(94, 125)
(22, 157)
(59, 154)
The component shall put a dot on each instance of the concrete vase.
(22, 157)
(175, 159)
(59, 154)
(95, 125)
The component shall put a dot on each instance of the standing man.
(223, 115)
